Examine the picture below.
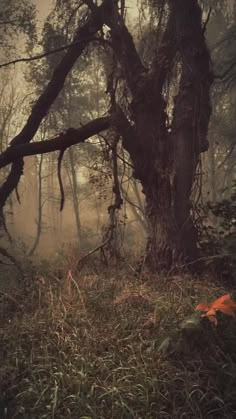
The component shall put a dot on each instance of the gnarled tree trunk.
(173, 237)
(165, 156)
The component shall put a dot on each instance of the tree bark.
(165, 156)
(173, 237)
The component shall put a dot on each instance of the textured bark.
(165, 158)
(174, 238)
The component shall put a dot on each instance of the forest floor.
(86, 346)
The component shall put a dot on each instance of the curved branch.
(125, 50)
(51, 52)
(70, 137)
(61, 154)
(47, 98)
(38, 56)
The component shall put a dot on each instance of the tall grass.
(85, 346)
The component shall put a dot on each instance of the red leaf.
(225, 299)
(226, 309)
(203, 306)
(224, 304)
(211, 312)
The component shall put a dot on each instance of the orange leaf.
(203, 306)
(225, 299)
(224, 304)
(226, 309)
(211, 312)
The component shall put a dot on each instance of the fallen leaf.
(224, 304)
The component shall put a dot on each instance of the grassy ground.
(86, 347)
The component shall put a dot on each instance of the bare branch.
(124, 48)
(39, 56)
(118, 155)
(51, 52)
(70, 137)
(61, 154)
(207, 20)
(47, 98)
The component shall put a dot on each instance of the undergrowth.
(85, 346)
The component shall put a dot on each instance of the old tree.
(163, 134)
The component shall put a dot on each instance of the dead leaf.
(224, 304)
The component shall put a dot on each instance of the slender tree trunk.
(75, 194)
(72, 164)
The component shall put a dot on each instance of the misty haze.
(117, 209)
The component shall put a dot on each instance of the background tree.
(17, 17)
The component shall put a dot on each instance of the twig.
(203, 258)
(17, 195)
(91, 252)
(60, 179)
(51, 52)
(118, 155)
(206, 21)
(38, 56)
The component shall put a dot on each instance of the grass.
(85, 347)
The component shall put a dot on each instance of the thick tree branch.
(124, 48)
(192, 105)
(70, 137)
(163, 60)
(47, 98)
